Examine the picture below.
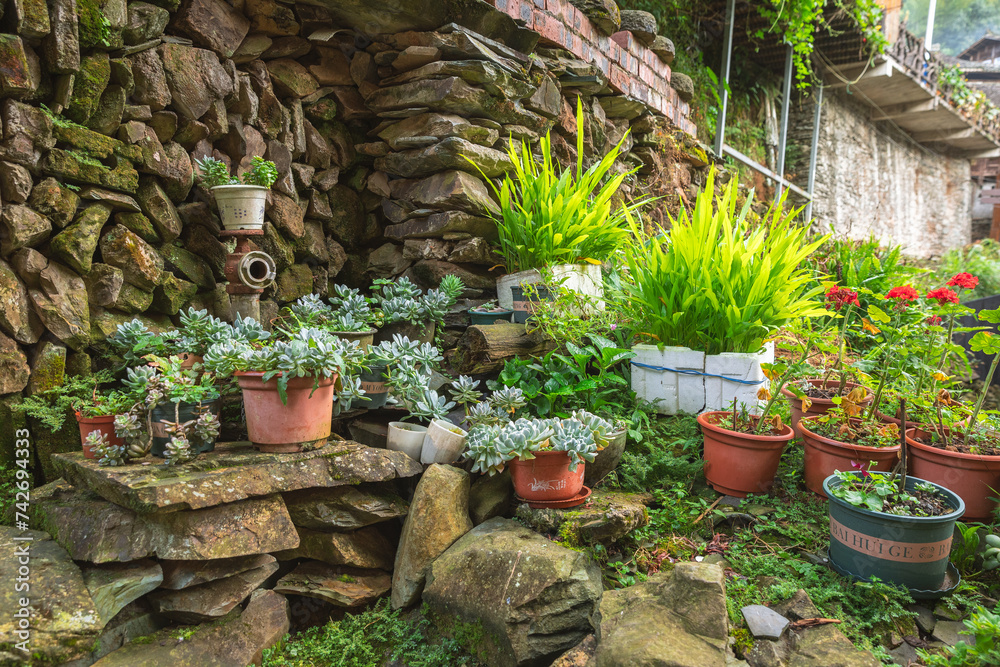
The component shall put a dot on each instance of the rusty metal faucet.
(248, 271)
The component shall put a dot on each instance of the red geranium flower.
(903, 293)
(837, 298)
(943, 296)
(964, 280)
(933, 319)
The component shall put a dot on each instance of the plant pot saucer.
(578, 499)
(952, 579)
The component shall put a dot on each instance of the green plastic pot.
(484, 317)
(373, 382)
(524, 304)
(904, 550)
(164, 414)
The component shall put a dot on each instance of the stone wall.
(369, 112)
(872, 179)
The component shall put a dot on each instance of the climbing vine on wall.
(798, 21)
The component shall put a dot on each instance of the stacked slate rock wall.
(105, 106)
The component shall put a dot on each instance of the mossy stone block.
(88, 86)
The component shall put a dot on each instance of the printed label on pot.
(547, 484)
(373, 387)
(903, 552)
(158, 429)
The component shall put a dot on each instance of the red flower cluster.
(933, 320)
(943, 296)
(837, 298)
(964, 280)
(903, 293)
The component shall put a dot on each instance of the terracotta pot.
(364, 337)
(546, 477)
(974, 477)
(819, 405)
(302, 423)
(740, 463)
(823, 456)
(443, 443)
(406, 438)
(104, 424)
(416, 332)
(607, 459)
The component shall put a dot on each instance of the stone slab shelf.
(234, 471)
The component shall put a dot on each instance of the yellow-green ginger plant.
(719, 280)
(551, 215)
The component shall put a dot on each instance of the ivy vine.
(798, 21)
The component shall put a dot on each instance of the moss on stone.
(88, 86)
(94, 28)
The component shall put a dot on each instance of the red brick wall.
(632, 69)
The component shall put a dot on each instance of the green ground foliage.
(380, 635)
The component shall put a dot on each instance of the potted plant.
(241, 202)
(349, 321)
(567, 221)
(98, 415)
(524, 299)
(966, 459)
(708, 293)
(401, 308)
(547, 457)
(287, 384)
(896, 528)
(198, 330)
(489, 313)
(167, 399)
(832, 441)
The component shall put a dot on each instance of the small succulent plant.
(107, 455)
(178, 450)
(991, 556)
(464, 391)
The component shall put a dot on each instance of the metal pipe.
(783, 131)
(727, 55)
(740, 157)
(929, 32)
(813, 150)
(245, 305)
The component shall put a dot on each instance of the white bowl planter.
(443, 443)
(241, 206)
(581, 278)
(406, 438)
(698, 391)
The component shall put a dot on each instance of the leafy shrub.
(718, 282)
(981, 259)
(671, 452)
(982, 651)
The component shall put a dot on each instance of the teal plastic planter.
(908, 551)
(373, 382)
(482, 317)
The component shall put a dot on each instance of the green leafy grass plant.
(718, 282)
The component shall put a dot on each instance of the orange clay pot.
(546, 477)
(104, 424)
(823, 456)
(300, 424)
(740, 463)
(975, 478)
(819, 405)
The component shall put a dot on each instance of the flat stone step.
(606, 518)
(234, 471)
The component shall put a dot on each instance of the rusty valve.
(248, 271)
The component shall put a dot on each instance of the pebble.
(764, 623)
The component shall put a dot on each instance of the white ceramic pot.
(406, 438)
(241, 206)
(443, 443)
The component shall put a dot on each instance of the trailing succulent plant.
(400, 300)
(107, 455)
(491, 446)
(430, 405)
(464, 391)
(349, 391)
(508, 399)
(133, 428)
(600, 428)
(198, 331)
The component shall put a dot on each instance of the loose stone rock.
(179, 574)
(641, 24)
(606, 518)
(114, 585)
(213, 600)
(54, 201)
(17, 318)
(341, 586)
(14, 369)
(763, 622)
(76, 244)
(62, 305)
(365, 548)
(537, 598)
(94, 530)
(343, 508)
(439, 515)
(142, 266)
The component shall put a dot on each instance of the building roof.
(988, 40)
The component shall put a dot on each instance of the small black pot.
(524, 304)
(164, 414)
(489, 317)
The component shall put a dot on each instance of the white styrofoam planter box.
(582, 278)
(670, 392)
(719, 393)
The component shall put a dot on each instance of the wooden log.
(485, 348)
